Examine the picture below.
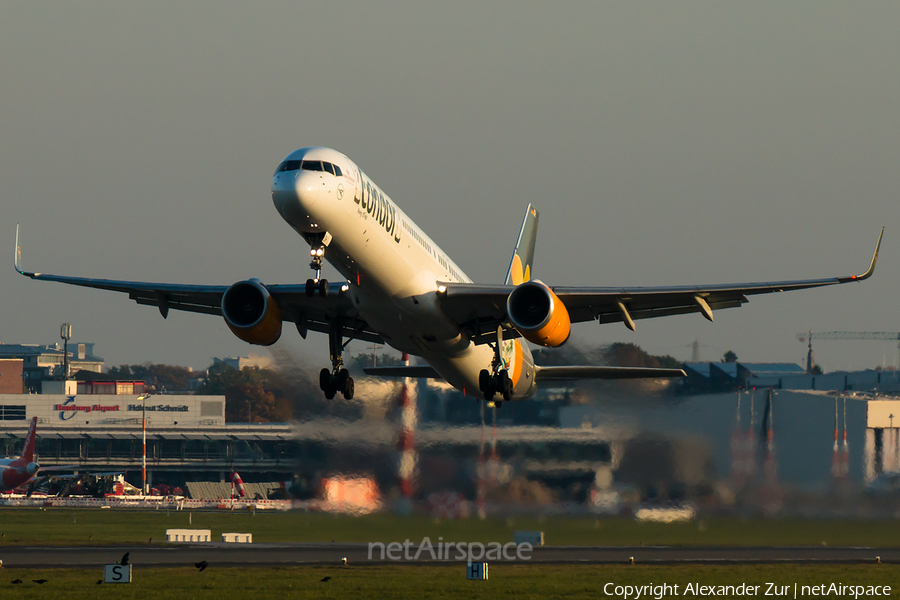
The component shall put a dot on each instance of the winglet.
(871, 269)
(18, 253)
(19, 258)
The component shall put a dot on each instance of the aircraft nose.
(307, 187)
(294, 190)
(283, 190)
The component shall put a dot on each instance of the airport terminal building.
(814, 439)
(187, 437)
(189, 440)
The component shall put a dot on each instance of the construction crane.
(844, 335)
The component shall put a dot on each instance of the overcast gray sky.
(663, 143)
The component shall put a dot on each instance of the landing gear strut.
(317, 252)
(496, 381)
(338, 378)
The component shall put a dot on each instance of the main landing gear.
(496, 381)
(338, 378)
(316, 285)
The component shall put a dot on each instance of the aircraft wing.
(307, 313)
(481, 309)
(573, 373)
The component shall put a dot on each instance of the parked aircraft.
(16, 472)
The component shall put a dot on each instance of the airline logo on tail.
(523, 257)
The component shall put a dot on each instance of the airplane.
(16, 472)
(402, 290)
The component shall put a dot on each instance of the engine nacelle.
(251, 313)
(538, 314)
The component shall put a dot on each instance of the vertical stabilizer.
(523, 257)
(28, 449)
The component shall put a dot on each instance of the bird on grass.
(16, 581)
(99, 581)
(40, 581)
(325, 579)
(201, 565)
(124, 560)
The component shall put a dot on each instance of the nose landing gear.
(337, 379)
(316, 285)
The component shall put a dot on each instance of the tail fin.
(28, 449)
(523, 257)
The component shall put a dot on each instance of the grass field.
(421, 582)
(31, 526)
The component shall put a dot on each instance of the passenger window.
(328, 167)
(312, 165)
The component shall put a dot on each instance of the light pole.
(143, 399)
(65, 332)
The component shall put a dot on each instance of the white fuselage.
(393, 268)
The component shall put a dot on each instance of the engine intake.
(251, 313)
(538, 314)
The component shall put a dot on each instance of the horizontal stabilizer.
(572, 373)
(70, 468)
(415, 371)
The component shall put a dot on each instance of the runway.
(246, 555)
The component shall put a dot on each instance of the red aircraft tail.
(28, 449)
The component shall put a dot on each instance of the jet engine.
(538, 314)
(251, 313)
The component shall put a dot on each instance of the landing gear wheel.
(329, 393)
(325, 380)
(310, 288)
(341, 379)
(498, 404)
(503, 385)
(349, 388)
(323, 287)
(506, 386)
(502, 380)
(484, 380)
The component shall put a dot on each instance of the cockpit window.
(288, 165)
(310, 165)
